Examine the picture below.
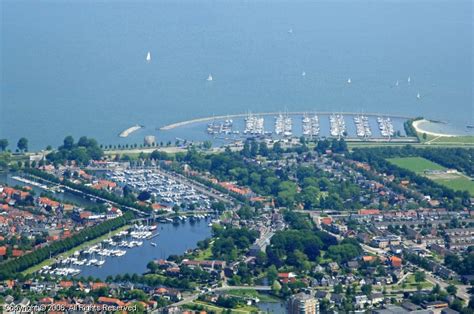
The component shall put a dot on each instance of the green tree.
(22, 144)
(338, 288)
(451, 289)
(420, 276)
(3, 144)
(366, 289)
(272, 273)
(207, 145)
(68, 142)
(276, 286)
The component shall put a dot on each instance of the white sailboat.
(209, 78)
(418, 96)
(303, 74)
(396, 83)
(409, 80)
(349, 81)
(148, 57)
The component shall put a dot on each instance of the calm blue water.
(173, 239)
(78, 67)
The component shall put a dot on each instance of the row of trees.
(12, 267)
(22, 144)
(82, 152)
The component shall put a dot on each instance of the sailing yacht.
(303, 74)
(396, 84)
(148, 57)
(209, 78)
(349, 81)
(409, 80)
(418, 96)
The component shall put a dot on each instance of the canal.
(7, 178)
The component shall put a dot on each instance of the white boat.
(148, 57)
(303, 74)
(349, 81)
(418, 96)
(153, 244)
(209, 78)
(409, 80)
(396, 83)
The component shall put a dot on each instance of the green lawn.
(217, 309)
(416, 164)
(419, 165)
(205, 254)
(460, 183)
(247, 293)
(455, 140)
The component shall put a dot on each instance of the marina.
(362, 126)
(130, 250)
(386, 127)
(338, 125)
(283, 125)
(310, 125)
(163, 188)
(254, 125)
(224, 127)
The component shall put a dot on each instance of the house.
(361, 300)
(376, 298)
(333, 266)
(168, 293)
(286, 277)
(65, 284)
(336, 298)
(320, 294)
(395, 261)
(409, 306)
(110, 301)
(353, 265)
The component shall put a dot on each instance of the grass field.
(205, 254)
(247, 293)
(217, 309)
(416, 164)
(455, 181)
(459, 183)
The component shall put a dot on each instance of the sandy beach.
(416, 125)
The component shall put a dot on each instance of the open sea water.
(79, 68)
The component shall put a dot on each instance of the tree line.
(12, 267)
